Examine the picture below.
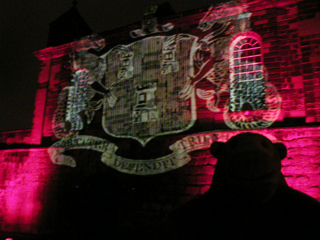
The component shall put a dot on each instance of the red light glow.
(155, 104)
(23, 182)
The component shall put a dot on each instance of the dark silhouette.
(248, 198)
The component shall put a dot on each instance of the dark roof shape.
(164, 10)
(69, 27)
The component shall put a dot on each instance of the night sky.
(24, 27)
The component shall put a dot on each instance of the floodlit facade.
(123, 120)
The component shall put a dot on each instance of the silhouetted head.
(249, 165)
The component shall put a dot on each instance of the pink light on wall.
(301, 167)
(25, 172)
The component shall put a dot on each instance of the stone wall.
(41, 197)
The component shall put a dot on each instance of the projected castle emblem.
(146, 77)
(161, 84)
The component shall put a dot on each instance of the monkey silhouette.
(248, 198)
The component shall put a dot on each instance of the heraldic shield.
(145, 79)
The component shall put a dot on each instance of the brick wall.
(25, 182)
(40, 197)
(22, 136)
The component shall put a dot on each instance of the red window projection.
(254, 103)
(247, 76)
(247, 60)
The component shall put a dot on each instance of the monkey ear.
(216, 149)
(281, 149)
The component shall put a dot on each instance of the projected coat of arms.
(149, 88)
(145, 79)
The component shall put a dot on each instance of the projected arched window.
(246, 74)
